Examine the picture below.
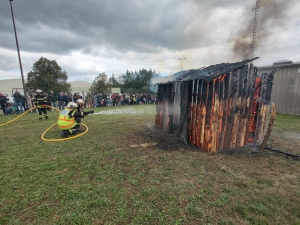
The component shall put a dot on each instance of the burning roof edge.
(204, 73)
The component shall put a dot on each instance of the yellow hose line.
(16, 118)
(63, 139)
(44, 139)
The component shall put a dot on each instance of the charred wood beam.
(224, 109)
(293, 155)
(242, 117)
(231, 108)
(236, 110)
(252, 115)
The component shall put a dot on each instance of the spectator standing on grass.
(134, 100)
(108, 100)
(95, 103)
(105, 99)
(32, 94)
(75, 97)
(61, 101)
(24, 103)
(18, 102)
(52, 100)
(28, 101)
(89, 100)
(71, 97)
(137, 99)
(67, 99)
(3, 101)
(113, 99)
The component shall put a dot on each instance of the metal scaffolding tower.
(254, 28)
(257, 6)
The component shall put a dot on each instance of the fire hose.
(43, 135)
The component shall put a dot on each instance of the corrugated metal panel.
(275, 90)
(296, 100)
(286, 89)
(281, 89)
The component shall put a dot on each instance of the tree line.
(48, 75)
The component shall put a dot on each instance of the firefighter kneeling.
(67, 119)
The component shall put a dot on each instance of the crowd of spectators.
(61, 99)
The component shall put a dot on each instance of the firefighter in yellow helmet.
(66, 120)
(40, 102)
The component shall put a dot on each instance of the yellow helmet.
(71, 105)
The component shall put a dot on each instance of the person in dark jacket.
(75, 97)
(3, 101)
(18, 102)
(40, 101)
(24, 103)
(61, 100)
(52, 100)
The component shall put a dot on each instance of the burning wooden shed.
(218, 107)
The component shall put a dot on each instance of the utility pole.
(23, 81)
(257, 6)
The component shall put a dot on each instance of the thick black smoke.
(272, 14)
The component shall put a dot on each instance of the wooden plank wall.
(215, 115)
(220, 109)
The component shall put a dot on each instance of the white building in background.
(80, 87)
(9, 86)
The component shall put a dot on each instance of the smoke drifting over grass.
(121, 111)
(270, 16)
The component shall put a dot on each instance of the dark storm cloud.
(133, 25)
(93, 36)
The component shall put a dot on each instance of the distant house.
(9, 86)
(80, 86)
(286, 85)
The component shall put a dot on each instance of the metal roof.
(280, 64)
(206, 73)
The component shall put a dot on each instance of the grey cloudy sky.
(94, 36)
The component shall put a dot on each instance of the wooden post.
(269, 129)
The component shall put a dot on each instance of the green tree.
(138, 82)
(101, 84)
(47, 75)
(115, 81)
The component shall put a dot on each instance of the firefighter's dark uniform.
(78, 117)
(40, 101)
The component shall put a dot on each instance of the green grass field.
(123, 171)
